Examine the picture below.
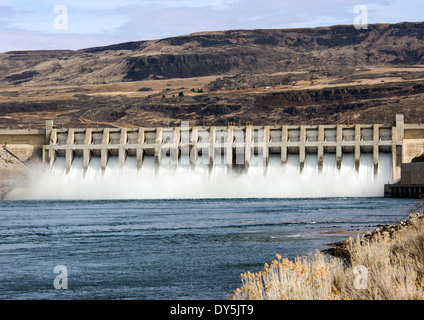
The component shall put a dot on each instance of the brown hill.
(216, 53)
(319, 75)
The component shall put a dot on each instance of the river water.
(167, 249)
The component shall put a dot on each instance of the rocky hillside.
(359, 103)
(217, 53)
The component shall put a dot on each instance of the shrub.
(394, 265)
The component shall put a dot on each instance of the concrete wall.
(26, 144)
(413, 143)
(236, 143)
(412, 173)
(404, 141)
(34, 137)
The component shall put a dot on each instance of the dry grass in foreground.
(384, 267)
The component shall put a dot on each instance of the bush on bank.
(388, 264)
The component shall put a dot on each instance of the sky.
(77, 24)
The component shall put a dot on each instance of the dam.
(298, 156)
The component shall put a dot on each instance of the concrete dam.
(210, 162)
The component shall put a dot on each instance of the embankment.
(12, 173)
(386, 264)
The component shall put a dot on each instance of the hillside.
(204, 54)
(324, 74)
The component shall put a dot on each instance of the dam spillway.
(217, 162)
(235, 147)
(226, 161)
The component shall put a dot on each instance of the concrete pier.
(237, 145)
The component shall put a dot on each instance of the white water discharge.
(183, 181)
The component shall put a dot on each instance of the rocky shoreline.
(340, 249)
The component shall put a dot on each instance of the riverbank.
(341, 249)
(385, 264)
(12, 173)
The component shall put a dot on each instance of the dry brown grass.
(26, 92)
(386, 267)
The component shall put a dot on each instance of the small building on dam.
(411, 184)
(236, 147)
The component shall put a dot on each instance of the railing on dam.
(236, 144)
